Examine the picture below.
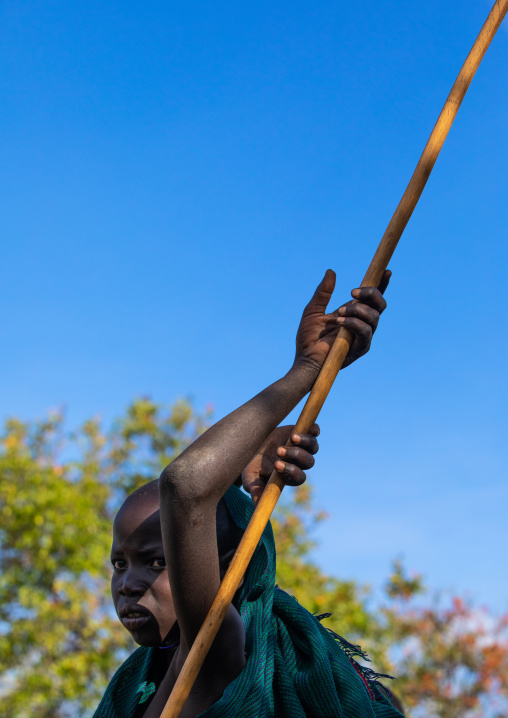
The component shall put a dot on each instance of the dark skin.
(247, 441)
(290, 461)
(140, 581)
(140, 585)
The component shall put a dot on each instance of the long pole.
(333, 363)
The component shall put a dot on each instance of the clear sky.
(175, 179)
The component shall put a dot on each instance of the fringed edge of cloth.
(369, 676)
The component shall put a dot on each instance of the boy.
(270, 656)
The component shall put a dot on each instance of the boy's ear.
(224, 562)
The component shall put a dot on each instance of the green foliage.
(293, 524)
(59, 641)
(59, 638)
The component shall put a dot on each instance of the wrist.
(305, 371)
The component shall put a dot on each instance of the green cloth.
(295, 667)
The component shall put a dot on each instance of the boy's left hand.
(290, 461)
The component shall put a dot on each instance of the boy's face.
(140, 585)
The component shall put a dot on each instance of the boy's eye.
(158, 563)
(118, 563)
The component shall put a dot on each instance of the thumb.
(322, 295)
(385, 280)
(254, 485)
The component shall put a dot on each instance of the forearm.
(210, 465)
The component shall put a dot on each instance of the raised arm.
(191, 486)
(211, 464)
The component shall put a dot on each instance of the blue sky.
(176, 179)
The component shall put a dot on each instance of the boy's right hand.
(290, 461)
(317, 330)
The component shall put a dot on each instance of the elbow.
(172, 481)
(178, 483)
(168, 480)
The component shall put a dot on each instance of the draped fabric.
(295, 667)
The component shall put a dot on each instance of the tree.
(293, 522)
(60, 641)
(451, 656)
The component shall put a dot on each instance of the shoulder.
(226, 657)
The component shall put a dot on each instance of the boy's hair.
(228, 533)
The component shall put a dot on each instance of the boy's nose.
(132, 586)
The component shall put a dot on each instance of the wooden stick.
(333, 363)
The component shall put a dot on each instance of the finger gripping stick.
(333, 363)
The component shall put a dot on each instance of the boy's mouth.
(133, 616)
(134, 621)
